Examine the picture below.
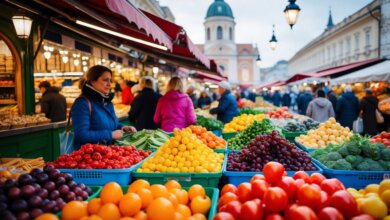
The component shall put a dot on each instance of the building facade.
(277, 72)
(154, 7)
(237, 61)
(356, 38)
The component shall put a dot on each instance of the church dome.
(219, 8)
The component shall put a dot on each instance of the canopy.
(337, 71)
(377, 72)
(299, 76)
(309, 80)
(271, 84)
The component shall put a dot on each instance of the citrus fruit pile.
(328, 132)
(374, 200)
(142, 201)
(239, 123)
(183, 153)
(208, 137)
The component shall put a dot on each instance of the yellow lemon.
(385, 196)
(375, 207)
(383, 186)
(372, 188)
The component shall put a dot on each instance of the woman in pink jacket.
(175, 108)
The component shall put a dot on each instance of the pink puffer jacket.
(174, 110)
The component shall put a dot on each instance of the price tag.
(179, 178)
(386, 176)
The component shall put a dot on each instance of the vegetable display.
(208, 138)
(243, 138)
(269, 147)
(311, 124)
(42, 190)
(241, 122)
(383, 138)
(357, 154)
(280, 113)
(297, 126)
(94, 156)
(209, 123)
(250, 111)
(145, 139)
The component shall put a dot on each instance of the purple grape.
(54, 174)
(54, 195)
(25, 179)
(88, 190)
(59, 200)
(84, 195)
(9, 184)
(49, 206)
(48, 168)
(19, 206)
(28, 191)
(82, 186)
(77, 190)
(64, 189)
(42, 178)
(3, 198)
(79, 198)
(35, 201)
(68, 177)
(72, 184)
(3, 206)
(36, 171)
(60, 181)
(70, 196)
(36, 186)
(35, 213)
(43, 193)
(23, 216)
(14, 193)
(50, 186)
(7, 215)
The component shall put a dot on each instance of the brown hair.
(93, 74)
(148, 82)
(175, 83)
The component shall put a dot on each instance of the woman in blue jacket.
(93, 115)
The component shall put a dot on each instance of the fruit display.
(208, 137)
(21, 164)
(280, 113)
(328, 132)
(242, 103)
(274, 196)
(297, 126)
(384, 105)
(183, 153)
(246, 136)
(269, 147)
(260, 102)
(209, 123)
(357, 154)
(251, 111)
(16, 121)
(95, 156)
(205, 113)
(42, 190)
(144, 139)
(383, 138)
(9, 110)
(311, 124)
(241, 122)
(374, 199)
(142, 201)
(121, 110)
(10, 173)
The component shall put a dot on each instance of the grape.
(48, 168)
(64, 189)
(19, 206)
(42, 178)
(35, 213)
(23, 216)
(28, 191)
(54, 174)
(25, 179)
(9, 183)
(43, 193)
(35, 201)
(54, 195)
(14, 193)
(50, 186)
(70, 196)
(60, 181)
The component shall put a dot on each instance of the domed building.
(237, 61)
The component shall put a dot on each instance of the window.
(208, 33)
(357, 41)
(245, 73)
(334, 51)
(230, 33)
(341, 48)
(219, 33)
(329, 52)
(348, 45)
(368, 38)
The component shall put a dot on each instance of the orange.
(127, 218)
(93, 206)
(111, 193)
(92, 217)
(138, 184)
(184, 210)
(109, 211)
(172, 184)
(172, 197)
(130, 204)
(199, 216)
(141, 216)
(181, 195)
(200, 204)
(159, 190)
(212, 144)
(161, 209)
(196, 190)
(74, 210)
(47, 216)
(146, 197)
(178, 216)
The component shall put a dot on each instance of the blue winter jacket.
(303, 102)
(347, 109)
(94, 127)
(227, 108)
(277, 99)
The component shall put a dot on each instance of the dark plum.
(14, 193)
(35, 213)
(9, 183)
(19, 205)
(49, 206)
(42, 178)
(35, 202)
(60, 181)
(64, 189)
(70, 196)
(28, 191)
(25, 179)
(54, 174)
(54, 195)
(48, 168)
(43, 193)
(23, 216)
(50, 186)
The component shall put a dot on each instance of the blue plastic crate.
(217, 133)
(355, 178)
(303, 147)
(236, 178)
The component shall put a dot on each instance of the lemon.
(385, 196)
(383, 186)
(372, 188)
(375, 207)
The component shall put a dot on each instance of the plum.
(25, 179)
(28, 191)
(35, 202)
(19, 205)
(35, 213)
(14, 193)
(50, 186)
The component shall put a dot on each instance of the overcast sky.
(254, 19)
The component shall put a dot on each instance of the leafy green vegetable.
(144, 139)
(250, 111)
(209, 123)
(342, 164)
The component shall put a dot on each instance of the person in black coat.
(303, 101)
(204, 100)
(144, 105)
(368, 106)
(53, 104)
(347, 108)
(277, 98)
(333, 99)
(286, 100)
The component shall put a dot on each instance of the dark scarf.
(91, 93)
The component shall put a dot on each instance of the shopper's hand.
(129, 129)
(117, 134)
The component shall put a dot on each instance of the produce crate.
(217, 133)
(303, 147)
(222, 150)
(236, 178)
(185, 179)
(355, 178)
(229, 135)
(290, 136)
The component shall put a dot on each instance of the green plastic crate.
(185, 179)
(290, 136)
(229, 135)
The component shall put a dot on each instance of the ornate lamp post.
(273, 41)
(291, 12)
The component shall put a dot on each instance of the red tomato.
(363, 217)
(275, 199)
(302, 175)
(299, 183)
(229, 188)
(345, 203)
(244, 191)
(252, 210)
(330, 186)
(288, 209)
(302, 213)
(259, 187)
(274, 217)
(330, 213)
(257, 177)
(233, 207)
(309, 195)
(273, 172)
(324, 201)
(223, 216)
(317, 178)
(289, 185)
(225, 199)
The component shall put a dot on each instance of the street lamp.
(258, 60)
(22, 25)
(273, 41)
(155, 70)
(291, 12)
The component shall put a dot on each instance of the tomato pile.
(94, 156)
(383, 138)
(280, 113)
(276, 196)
